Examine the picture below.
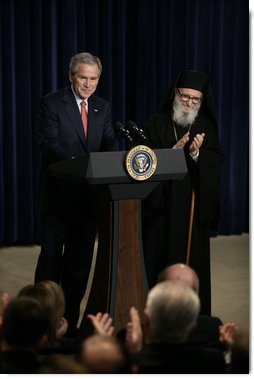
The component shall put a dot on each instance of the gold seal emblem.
(141, 162)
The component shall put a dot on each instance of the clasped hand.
(195, 145)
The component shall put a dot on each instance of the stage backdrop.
(142, 43)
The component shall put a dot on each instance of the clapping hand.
(182, 142)
(134, 334)
(196, 143)
(227, 334)
(102, 323)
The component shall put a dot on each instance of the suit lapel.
(74, 115)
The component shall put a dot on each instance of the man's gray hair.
(85, 58)
(172, 310)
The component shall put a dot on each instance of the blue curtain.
(142, 43)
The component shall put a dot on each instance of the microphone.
(124, 132)
(137, 131)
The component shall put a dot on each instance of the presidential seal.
(140, 162)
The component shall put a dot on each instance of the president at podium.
(72, 122)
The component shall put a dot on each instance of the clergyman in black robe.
(185, 119)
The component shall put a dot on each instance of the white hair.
(172, 309)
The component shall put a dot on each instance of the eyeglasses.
(186, 98)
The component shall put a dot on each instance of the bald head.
(103, 355)
(180, 273)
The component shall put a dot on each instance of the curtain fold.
(141, 43)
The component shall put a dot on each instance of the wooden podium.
(119, 280)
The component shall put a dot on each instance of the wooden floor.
(229, 266)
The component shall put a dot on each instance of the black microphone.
(137, 131)
(124, 132)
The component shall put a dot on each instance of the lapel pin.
(95, 110)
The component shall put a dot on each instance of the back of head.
(172, 310)
(25, 322)
(57, 296)
(104, 355)
(180, 273)
(51, 295)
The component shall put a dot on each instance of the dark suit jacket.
(162, 358)
(61, 136)
(206, 334)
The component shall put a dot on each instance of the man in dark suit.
(206, 333)
(72, 122)
(170, 314)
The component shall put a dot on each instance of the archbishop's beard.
(184, 118)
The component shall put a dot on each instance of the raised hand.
(102, 323)
(227, 334)
(134, 334)
(182, 142)
(196, 143)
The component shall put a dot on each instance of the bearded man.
(185, 119)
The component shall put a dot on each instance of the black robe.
(166, 211)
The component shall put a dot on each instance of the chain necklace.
(189, 128)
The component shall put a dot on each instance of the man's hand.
(196, 144)
(182, 142)
(102, 323)
(134, 334)
(227, 334)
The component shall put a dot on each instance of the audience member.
(24, 331)
(51, 295)
(104, 354)
(181, 273)
(206, 332)
(171, 313)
